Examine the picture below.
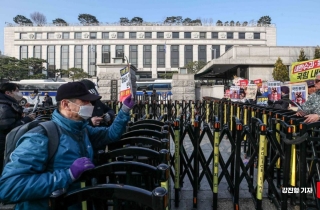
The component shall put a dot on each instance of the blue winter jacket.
(27, 181)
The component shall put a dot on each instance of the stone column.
(181, 56)
(140, 56)
(154, 61)
(209, 53)
(195, 52)
(85, 58)
(57, 56)
(167, 56)
(71, 56)
(98, 54)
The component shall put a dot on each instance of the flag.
(165, 47)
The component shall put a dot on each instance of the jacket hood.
(67, 124)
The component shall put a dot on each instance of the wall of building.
(183, 87)
(13, 41)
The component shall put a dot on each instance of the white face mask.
(17, 95)
(85, 112)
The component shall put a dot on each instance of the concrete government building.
(151, 48)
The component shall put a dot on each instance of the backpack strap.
(53, 132)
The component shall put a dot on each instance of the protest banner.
(258, 82)
(274, 91)
(125, 88)
(262, 100)
(306, 70)
(234, 93)
(251, 91)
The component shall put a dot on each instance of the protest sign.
(306, 70)
(234, 93)
(251, 91)
(274, 91)
(262, 100)
(125, 88)
(258, 82)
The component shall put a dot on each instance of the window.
(188, 54)
(161, 58)
(92, 60)
(93, 35)
(51, 59)
(23, 52)
(105, 54)
(229, 35)
(175, 35)
(148, 35)
(187, 35)
(202, 53)
(23, 36)
(203, 35)
(242, 35)
(228, 47)
(119, 51)
(37, 52)
(78, 56)
(50, 35)
(105, 35)
(64, 58)
(174, 55)
(65, 35)
(215, 51)
(160, 35)
(256, 35)
(78, 35)
(147, 56)
(38, 35)
(132, 35)
(215, 35)
(133, 54)
(120, 35)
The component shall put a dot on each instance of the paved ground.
(205, 193)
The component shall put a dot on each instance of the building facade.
(152, 48)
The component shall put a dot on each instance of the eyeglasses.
(316, 81)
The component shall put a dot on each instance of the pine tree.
(302, 56)
(317, 53)
(280, 71)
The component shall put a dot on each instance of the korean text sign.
(306, 70)
(125, 88)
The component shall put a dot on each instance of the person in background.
(47, 100)
(102, 115)
(154, 95)
(30, 178)
(311, 88)
(11, 114)
(311, 108)
(144, 95)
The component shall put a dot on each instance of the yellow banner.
(306, 70)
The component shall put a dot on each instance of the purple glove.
(79, 166)
(128, 104)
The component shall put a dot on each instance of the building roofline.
(132, 24)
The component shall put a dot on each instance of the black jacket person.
(10, 114)
(102, 114)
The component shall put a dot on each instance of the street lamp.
(215, 53)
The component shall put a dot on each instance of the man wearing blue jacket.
(29, 179)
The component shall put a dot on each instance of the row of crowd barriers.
(282, 151)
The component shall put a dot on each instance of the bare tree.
(210, 21)
(204, 21)
(38, 18)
